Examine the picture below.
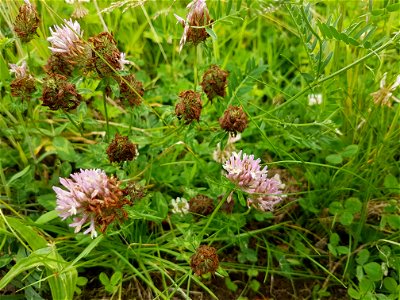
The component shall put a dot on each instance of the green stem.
(214, 213)
(195, 71)
(74, 123)
(106, 115)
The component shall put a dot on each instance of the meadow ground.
(207, 150)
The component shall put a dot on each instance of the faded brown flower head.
(57, 64)
(214, 82)
(198, 16)
(59, 93)
(26, 22)
(234, 119)
(205, 260)
(24, 84)
(384, 95)
(121, 149)
(106, 57)
(201, 205)
(134, 191)
(131, 90)
(189, 107)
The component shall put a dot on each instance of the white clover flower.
(67, 38)
(314, 99)
(222, 155)
(19, 71)
(385, 93)
(180, 206)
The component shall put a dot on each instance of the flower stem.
(106, 115)
(195, 71)
(74, 123)
(217, 208)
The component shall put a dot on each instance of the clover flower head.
(222, 155)
(67, 38)
(19, 71)
(180, 206)
(246, 173)
(90, 198)
(385, 93)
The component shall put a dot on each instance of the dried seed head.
(201, 205)
(133, 191)
(234, 119)
(106, 58)
(26, 22)
(189, 107)
(24, 84)
(59, 93)
(204, 261)
(121, 149)
(57, 64)
(131, 90)
(214, 82)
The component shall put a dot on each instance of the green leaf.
(334, 239)
(81, 281)
(346, 218)
(254, 285)
(252, 272)
(362, 256)
(47, 217)
(390, 284)
(353, 293)
(18, 175)
(393, 7)
(352, 205)
(230, 284)
(390, 182)
(211, 33)
(116, 278)
(334, 159)
(335, 207)
(104, 279)
(64, 149)
(366, 285)
(374, 271)
(394, 221)
(350, 151)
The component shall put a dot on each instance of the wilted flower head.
(26, 22)
(234, 119)
(58, 63)
(180, 206)
(201, 204)
(247, 174)
(189, 107)
(131, 90)
(67, 39)
(59, 93)
(214, 82)
(198, 16)
(314, 99)
(205, 260)
(24, 84)
(91, 198)
(106, 56)
(80, 11)
(385, 93)
(121, 149)
(221, 155)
